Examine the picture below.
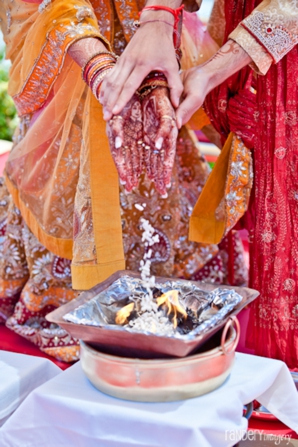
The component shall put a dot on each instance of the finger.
(187, 108)
(170, 152)
(139, 150)
(147, 159)
(135, 162)
(159, 174)
(111, 89)
(120, 165)
(150, 154)
(175, 85)
(115, 130)
(116, 126)
(129, 87)
(130, 178)
(165, 129)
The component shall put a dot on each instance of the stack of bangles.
(97, 68)
(153, 80)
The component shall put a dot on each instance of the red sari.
(272, 219)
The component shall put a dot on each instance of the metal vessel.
(163, 380)
(118, 341)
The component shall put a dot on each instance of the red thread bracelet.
(175, 12)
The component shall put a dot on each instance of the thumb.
(186, 109)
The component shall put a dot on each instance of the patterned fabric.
(50, 174)
(238, 185)
(274, 248)
(275, 27)
(217, 22)
(33, 283)
(45, 279)
(273, 215)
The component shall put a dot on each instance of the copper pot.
(163, 380)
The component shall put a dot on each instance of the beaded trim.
(277, 39)
(43, 5)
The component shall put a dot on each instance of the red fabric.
(273, 215)
(10, 341)
(276, 428)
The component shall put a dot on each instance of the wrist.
(176, 16)
(227, 61)
(84, 49)
(96, 69)
(207, 78)
(152, 16)
(163, 9)
(169, 3)
(213, 78)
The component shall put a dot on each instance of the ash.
(155, 322)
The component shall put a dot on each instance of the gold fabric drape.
(62, 148)
(43, 168)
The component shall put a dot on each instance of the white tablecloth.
(68, 411)
(19, 375)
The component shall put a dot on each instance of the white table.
(68, 411)
(19, 375)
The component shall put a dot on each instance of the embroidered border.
(271, 33)
(238, 185)
(49, 65)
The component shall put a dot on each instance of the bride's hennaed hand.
(125, 132)
(160, 135)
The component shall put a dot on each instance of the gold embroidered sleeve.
(274, 24)
(261, 58)
(37, 45)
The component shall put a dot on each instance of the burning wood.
(171, 300)
(124, 313)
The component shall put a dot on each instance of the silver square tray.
(118, 341)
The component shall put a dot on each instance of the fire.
(171, 301)
(123, 314)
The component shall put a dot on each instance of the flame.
(171, 300)
(123, 314)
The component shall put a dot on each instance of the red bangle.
(175, 12)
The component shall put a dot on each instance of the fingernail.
(118, 142)
(115, 110)
(158, 143)
(168, 186)
(164, 196)
(122, 182)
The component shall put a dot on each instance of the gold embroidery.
(276, 28)
(238, 185)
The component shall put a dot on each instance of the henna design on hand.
(125, 132)
(230, 47)
(82, 50)
(160, 135)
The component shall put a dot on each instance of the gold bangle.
(99, 53)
